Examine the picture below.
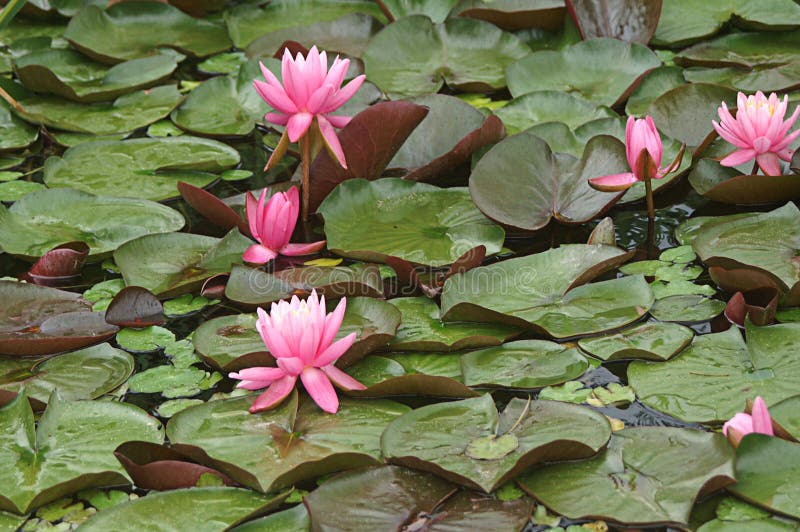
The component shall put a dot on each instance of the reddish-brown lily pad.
(626, 20)
(135, 306)
(212, 208)
(58, 265)
(759, 306)
(726, 185)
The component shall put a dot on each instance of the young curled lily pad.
(422, 329)
(525, 364)
(647, 475)
(707, 381)
(84, 374)
(394, 498)
(72, 75)
(468, 442)
(603, 71)
(420, 223)
(132, 30)
(280, 447)
(156, 165)
(414, 56)
(71, 448)
(649, 341)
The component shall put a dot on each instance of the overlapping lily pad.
(728, 185)
(470, 443)
(253, 287)
(626, 20)
(550, 106)
(72, 75)
(717, 370)
(14, 133)
(767, 473)
(43, 220)
(109, 167)
(729, 246)
(647, 475)
(71, 448)
(687, 308)
(546, 292)
(211, 509)
(85, 374)
(539, 185)
(38, 320)
(387, 497)
(416, 222)
(422, 329)
(428, 374)
(132, 30)
(125, 114)
(649, 341)
(277, 448)
(603, 71)
(414, 56)
(562, 139)
(171, 264)
(514, 15)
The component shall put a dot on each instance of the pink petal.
(741, 422)
(343, 95)
(276, 393)
(331, 140)
(333, 322)
(762, 422)
(251, 209)
(319, 97)
(275, 97)
(269, 76)
(298, 124)
(334, 351)
(769, 163)
(787, 125)
(738, 157)
(653, 141)
(293, 250)
(279, 119)
(337, 72)
(629, 141)
(253, 385)
(724, 131)
(342, 379)
(258, 254)
(277, 345)
(788, 139)
(614, 182)
(258, 374)
(320, 389)
(260, 211)
(291, 365)
(293, 81)
(338, 120)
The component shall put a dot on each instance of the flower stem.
(651, 211)
(754, 171)
(305, 157)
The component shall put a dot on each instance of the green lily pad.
(685, 112)
(253, 287)
(569, 392)
(43, 220)
(213, 509)
(225, 105)
(225, 339)
(436, 10)
(649, 341)
(414, 56)
(687, 308)
(156, 165)
(539, 185)
(646, 475)
(427, 374)
(654, 84)
(15, 190)
(145, 340)
(717, 371)
(295, 519)
(422, 329)
(686, 21)
(602, 71)
(515, 15)
(69, 139)
(186, 304)
(562, 139)
(786, 413)
(420, 223)
(749, 50)
(173, 382)
(129, 31)
(280, 447)
(550, 106)
(728, 245)
(169, 408)
(126, 113)
(525, 364)
(729, 185)
(192, 260)
(767, 473)
(775, 78)
(72, 75)
(14, 133)
(385, 498)
(84, 374)
(224, 63)
(71, 448)
(543, 430)
(348, 34)
(516, 291)
(247, 22)
(687, 230)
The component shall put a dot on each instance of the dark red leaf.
(60, 264)
(135, 306)
(214, 286)
(369, 141)
(759, 305)
(469, 260)
(212, 208)
(626, 20)
(294, 48)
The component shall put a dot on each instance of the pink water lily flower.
(758, 131)
(742, 423)
(309, 93)
(300, 336)
(272, 224)
(644, 151)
